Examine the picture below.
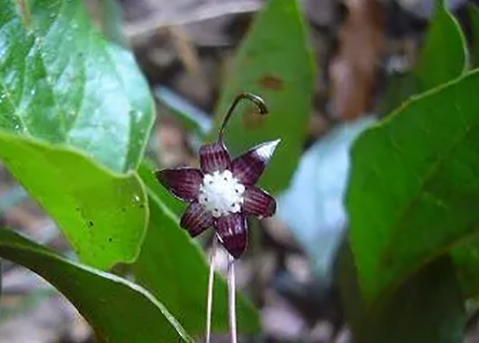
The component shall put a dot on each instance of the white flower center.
(221, 193)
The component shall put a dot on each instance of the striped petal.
(182, 182)
(196, 220)
(214, 157)
(232, 233)
(248, 167)
(257, 202)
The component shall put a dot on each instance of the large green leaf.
(119, 311)
(400, 87)
(103, 215)
(64, 89)
(414, 186)
(274, 62)
(466, 259)
(427, 308)
(443, 57)
(60, 82)
(168, 253)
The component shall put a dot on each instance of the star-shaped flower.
(222, 192)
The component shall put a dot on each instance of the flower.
(222, 192)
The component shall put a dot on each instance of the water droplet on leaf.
(136, 116)
(136, 200)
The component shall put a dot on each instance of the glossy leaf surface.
(103, 215)
(414, 187)
(75, 114)
(118, 310)
(61, 82)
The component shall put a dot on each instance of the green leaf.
(400, 87)
(274, 62)
(118, 310)
(414, 188)
(429, 307)
(466, 259)
(66, 97)
(62, 83)
(474, 17)
(103, 215)
(111, 21)
(168, 253)
(346, 281)
(444, 55)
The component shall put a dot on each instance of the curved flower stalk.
(221, 194)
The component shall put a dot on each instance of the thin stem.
(243, 96)
(209, 301)
(257, 284)
(232, 299)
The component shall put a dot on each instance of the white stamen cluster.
(221, 193)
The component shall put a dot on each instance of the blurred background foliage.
(375, 242)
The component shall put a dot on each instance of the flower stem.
(209, 301)
(232, 299)
(263, 110)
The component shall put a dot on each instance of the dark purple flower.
(222, 192)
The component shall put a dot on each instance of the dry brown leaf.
(353, 70)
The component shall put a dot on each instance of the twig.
(232, 299)
(24, 12)
(187, 52)
(136, 31)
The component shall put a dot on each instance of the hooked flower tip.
(266, 150)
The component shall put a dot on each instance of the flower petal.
(196, 220)
(257, 202)
(248, 167)
(182, 182)
(232, 232)
(214, 157)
